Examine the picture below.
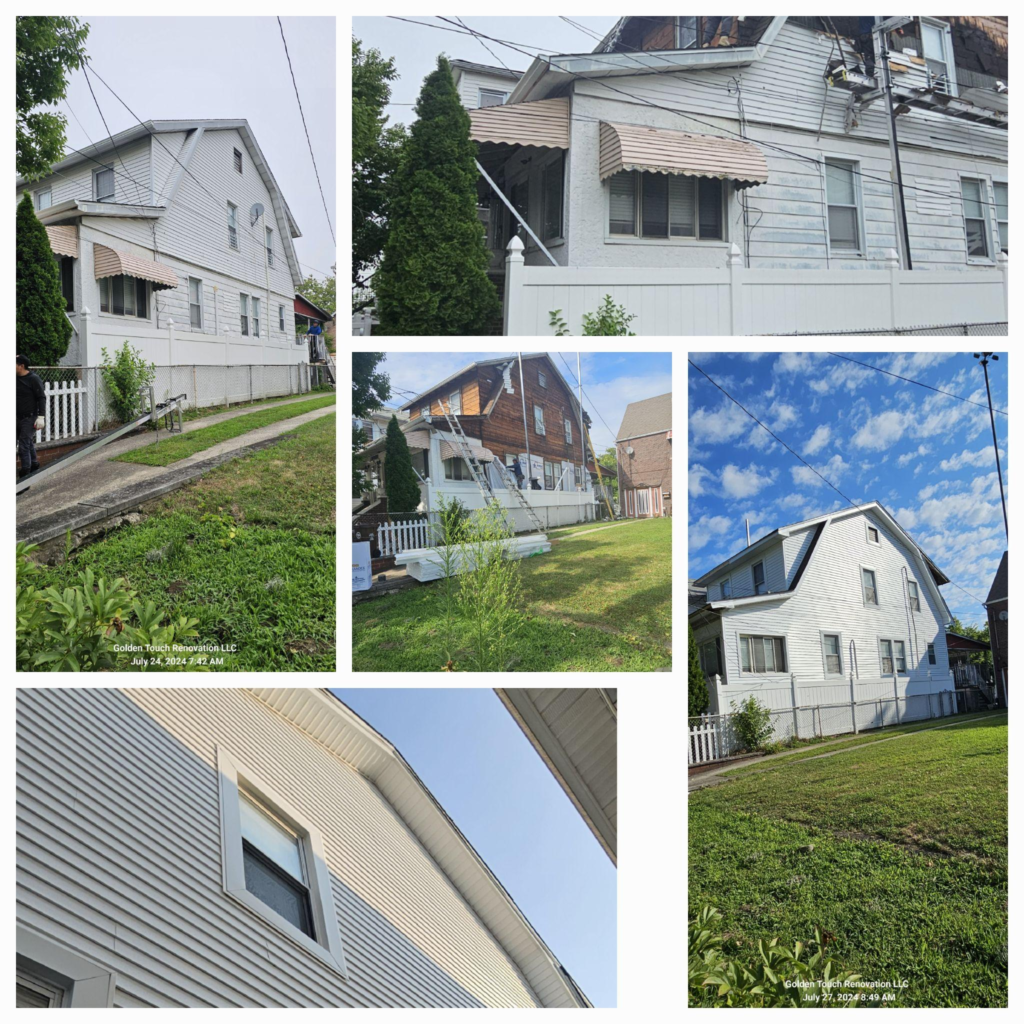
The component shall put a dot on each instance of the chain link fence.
(943, 331)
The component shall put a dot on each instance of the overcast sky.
(189, 68)
(416, 48)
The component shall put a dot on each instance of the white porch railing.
(65, 411)
(394, 538)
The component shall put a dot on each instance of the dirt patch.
(177, 587)
(309, 647)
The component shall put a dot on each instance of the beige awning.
(635, 147)
(418, 438)
(540, 123)
(111, 262)
(449, 451)
(64, 239)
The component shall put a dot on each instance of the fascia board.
(744, 602)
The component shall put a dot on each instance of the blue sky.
(611, 380)
(476, 761)
(926, 457)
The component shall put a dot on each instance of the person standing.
(518, 470)
(31, 410)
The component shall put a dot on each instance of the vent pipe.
(747, 521)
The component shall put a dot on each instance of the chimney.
(747, 521)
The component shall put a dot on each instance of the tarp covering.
(64, 239)
(540, 123)
(635, 147)
(111, 262)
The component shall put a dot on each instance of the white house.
(175, 236)
(251, 848)
(735, 176)
(844, 607)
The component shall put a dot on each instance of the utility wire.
(99, 109)
(306, 130)
(484, 45)
(589, 399)
(920, 384)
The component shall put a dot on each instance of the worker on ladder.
(518, 470)
(31, 411)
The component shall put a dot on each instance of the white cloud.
(716, 426)
(905, 460)
(881, 431)
(818, 439)
(784, 414)
(832, 471)
(744, 483)
(704, 529)
(982, 457)
(792, 362)
(698, 474)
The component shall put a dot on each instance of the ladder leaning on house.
(465, 450)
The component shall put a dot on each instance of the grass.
(271, 591)
(175, 449)
(599, 603)
(213, 410)
(908, 869)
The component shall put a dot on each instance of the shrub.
(698, 690)
(609, 321)
(752, 722)
(124, 377)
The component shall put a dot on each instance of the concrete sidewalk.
(96, 487)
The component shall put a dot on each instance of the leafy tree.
(402, 486)
(42, 329)
(370, 390)
(698, 691)
(321, 293)
(609, 471)
(46, 49)
(433, 278)
(975, 633)
(375, 149)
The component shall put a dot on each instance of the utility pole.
(894, 150)
(583, 450)
(985, 357)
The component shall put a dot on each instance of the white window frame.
(947, 49)
(199, 282)
(455, 402)
(493, 92)
(892, 642)
(687, 240)
(858, 193)
(280, 317)
(233, 226)
(38, 196)
(822, 633)
(268, 234)
(725, 584)
(753, 578)
(237, 164)
(932, 654)
(741, 638)
(424, 410)
(256, 307)
(327, 946)
(1000, 223)
(643, 501)
(915, 597)
(538, 421)
(96, 188)
(877, 603)
(568, 429)
(868, 527)
(244, 323)
(84, 983)
(988, 211)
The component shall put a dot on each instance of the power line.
(306, 130)
(589, 399)
(110, 136)
(484, 45)
(920, 384)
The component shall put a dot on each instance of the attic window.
(873, 534)
(103, 181)
(491, 98)
(238, 160)
(542, 379)
(758, 573)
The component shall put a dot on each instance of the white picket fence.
(393, 538)
(710, 740)
(65, 411)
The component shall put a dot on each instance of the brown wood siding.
(470, 389)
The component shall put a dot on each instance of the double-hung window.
(893, 654)
(124, 296)
(868, 586)
(932, 660)
(914, 594)
(1002, 189)
(843, 213)
(758, 573)
(273, 863)
(648, 205)
(551, 180)
(195, 302)
(726, 587)
(538, 420)
(935, 39)
(761, 654)
(255, 317)
(280, 317)
(243, 312)
(455, 402)
(232, 225)
(103, 184)
(270, 246)
(550, 475)
(491, 98)
(975, 218)
(831, 648)
(568, 431)
(44, 198)
(456, 469)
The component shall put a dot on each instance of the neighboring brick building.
(997, 607)
(644, 455)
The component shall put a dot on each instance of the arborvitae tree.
(433, 278)
(42, 331)
(402, 486)
(698, 688)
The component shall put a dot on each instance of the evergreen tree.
(370, 390)
(402, 486)
(433, 278)
(42, 330)
(698, 692)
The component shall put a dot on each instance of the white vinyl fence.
(65, 410)
(394, 538)
(736, 300)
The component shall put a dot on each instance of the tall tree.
(375, 148)
(433, 278)
(42, 329)
(370, 390)
(698, 690)
(609, 471)
(402, 487)
(46, 49)
(322, 293)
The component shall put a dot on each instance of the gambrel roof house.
(260, 847)
(760, 144)
(174, 221)
(844, 600)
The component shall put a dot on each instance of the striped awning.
(63, 239)
(111, 262)
(418, 438)
(539, 123)
(449, 451)
(635, 147)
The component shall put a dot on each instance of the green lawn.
(597, 603)
(909, 863)
(271, 590)
(174, 449)
(212, 410)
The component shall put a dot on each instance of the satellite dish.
(629, 449)
(255, 213)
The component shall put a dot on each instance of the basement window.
(273, 863)
(762, 654)
(648, 205)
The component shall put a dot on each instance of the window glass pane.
(710, 208)
(270, 837)
(757, 648)
(1004, 236)
(769, 654)
(491, 98)
(1002, 200)
(745, 653)
(552, 188)
(727, 587)
(687, 32)
(622, 209)
(654, 205)
(832, 644)
(67, 282)
(104, 294)
(681, 190)
(901, 658)
(934, 41)
(140, 298)
(972, 198)
(117, 289)
(839, 186)
(104, 184)
(842, 228)
(780, 654)
(277, 891)
(976, 243)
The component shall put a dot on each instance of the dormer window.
(726, 587)
(759, 584)
(491, 98)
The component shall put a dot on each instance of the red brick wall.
(650, 465)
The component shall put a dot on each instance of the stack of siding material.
(425, 564)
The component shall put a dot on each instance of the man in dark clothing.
(518, 470)
(31, 408)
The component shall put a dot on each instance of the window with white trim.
(873, 534)
(868, 586)
(456, 469)
(568, 430)
(238, 160)
(195, 302)
(757, 571)
(243, 313)
(762, 654)
(50, 975)
(122, 295)
(425, 410)
(932, 660)
(649, 205)
(831, 649)
(455, 402)
(232, 225)
(270, 246)
(975, 219)
(35, 992)
(550, 475)
(280, 317)
(937, 43)
(255, 317)
(103, 184)
(273, 862)
(1002, 193)
(538, 420)
(643, 503)
(843, 209)
(491, 98)
(725, 586)
(914, 595)
(44, 198)
(893, 655)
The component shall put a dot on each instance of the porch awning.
(449, 451)
(63, 239)
(111, 262)
(635, 147)
(540, 123)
